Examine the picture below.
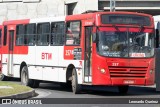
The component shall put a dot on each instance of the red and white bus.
(99, 48)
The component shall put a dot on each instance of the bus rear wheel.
(25, 77)
(123, 89)
(3, 77)
(76, 88)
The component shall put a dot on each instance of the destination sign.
(125, 19)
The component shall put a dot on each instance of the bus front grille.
(127, 72)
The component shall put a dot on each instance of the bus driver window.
(73, 33)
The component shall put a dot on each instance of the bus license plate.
(128, 82)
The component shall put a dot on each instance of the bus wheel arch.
(24, 76)
(67, 84)
(71, 76)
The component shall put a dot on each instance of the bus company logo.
(46, 56)
(6, 101)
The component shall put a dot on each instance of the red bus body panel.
(11, 25)
(129, 71)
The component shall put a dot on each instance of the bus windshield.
(125, 44)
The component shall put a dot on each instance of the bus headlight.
(103, 71)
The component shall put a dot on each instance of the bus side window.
(19, 35)
(73, 33)
(43, 33)
(57, 33)
(30, 33)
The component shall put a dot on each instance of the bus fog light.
(151, 71)
(103, 71)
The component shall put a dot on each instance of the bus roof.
(36, 20)
(83, 16)
(10, 22)
(93, 14)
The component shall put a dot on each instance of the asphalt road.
(52, 90)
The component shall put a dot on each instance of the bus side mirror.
(157, 38)
(94, 37)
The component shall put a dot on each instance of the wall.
(20, 9)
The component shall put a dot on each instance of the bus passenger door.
(10, 52)
(88, 55)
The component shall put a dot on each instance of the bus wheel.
(123, 89)
(25, 78)
(76, 88)
(3, 77)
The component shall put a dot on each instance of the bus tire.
(3, 77)
(76, 88)
(123, 89)
(25, 77)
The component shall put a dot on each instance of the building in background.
(18, 9)
(145, 6)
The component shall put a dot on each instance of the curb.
(23, 95)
